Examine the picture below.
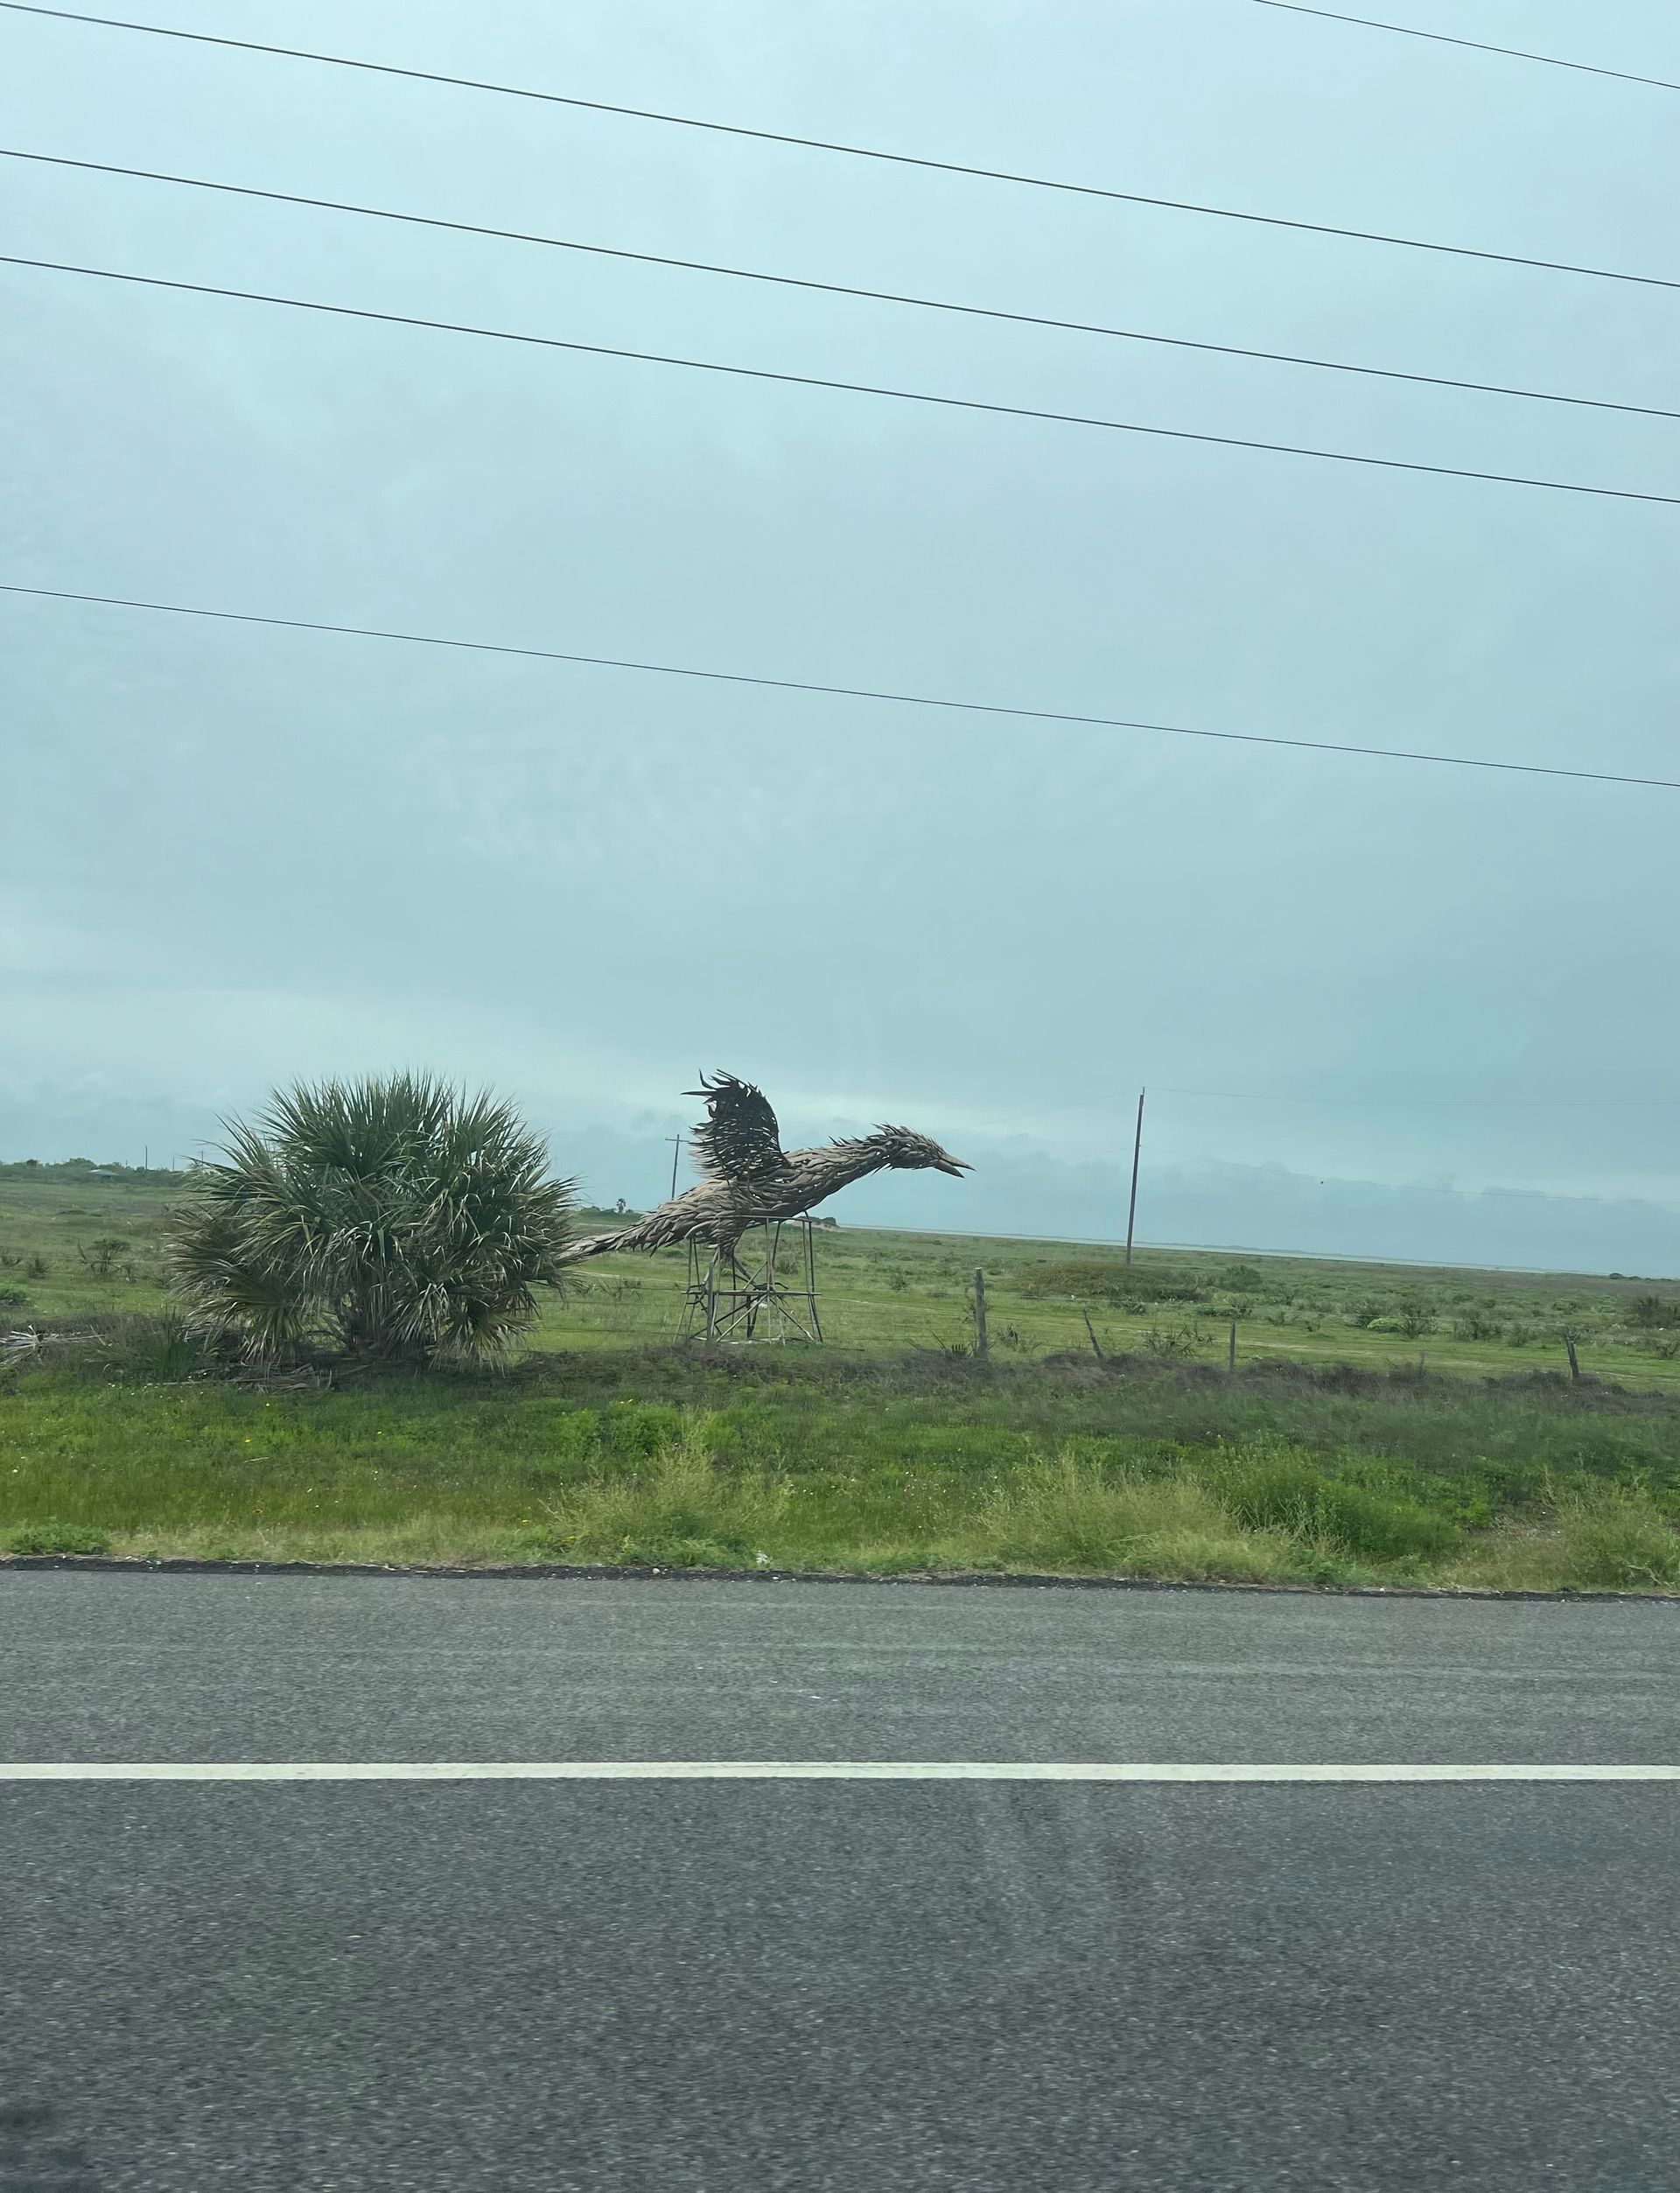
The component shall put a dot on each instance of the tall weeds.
(680, 1509)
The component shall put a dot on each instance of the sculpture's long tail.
(595, 1245)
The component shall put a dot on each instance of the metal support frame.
(741, 1297)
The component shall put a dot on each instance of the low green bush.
(1615, 1537)
(642, 1427)
(1475, 1324)
(49, 1536)
(1284, 1488)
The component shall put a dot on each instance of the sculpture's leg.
(694, 1291)
(810, 1279)
(754, 1283)
(776, 1310)
(726, 1284)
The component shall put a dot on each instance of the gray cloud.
(228, 856)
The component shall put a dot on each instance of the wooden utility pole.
(675, 1157)
(980, 1344)
(1136, 1150)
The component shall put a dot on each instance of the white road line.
(797, 1771)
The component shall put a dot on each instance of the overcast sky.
(1381, 1008)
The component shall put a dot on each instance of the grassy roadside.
(1162, 1470)
(1385, 1424)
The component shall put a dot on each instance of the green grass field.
(883, 1293)
(1330, 1455)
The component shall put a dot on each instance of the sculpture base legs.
(745, 1296)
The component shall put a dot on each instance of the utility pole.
(1137, 1151)
(677, 1154)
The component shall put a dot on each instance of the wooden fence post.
(1091, 1329)
(980, 1344)
(1574, 1360)
(1231, 1360)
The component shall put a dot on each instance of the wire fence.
(649, 1311)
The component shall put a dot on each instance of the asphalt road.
(486, 1988)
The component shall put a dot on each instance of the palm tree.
(395, 1220)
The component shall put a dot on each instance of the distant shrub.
(1385, 1325)
(161, 1350)
(1417, 1315)
(1156, 1287)
(1091, 1282)
(1652, 1311)
(129, 1349)
(103, 1253)
(1476, 1325)
(1241, 1279)
(1171, 1344)
(13, 1298)
(1085, 1280)
(37, 1267)
(1364, 1314)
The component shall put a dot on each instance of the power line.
(842, 692)
(851, 151)
(1476, 46)
(830, 289)
(846, 388)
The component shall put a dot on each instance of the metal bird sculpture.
(748, 1177)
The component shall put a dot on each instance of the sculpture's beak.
(956, 1166)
